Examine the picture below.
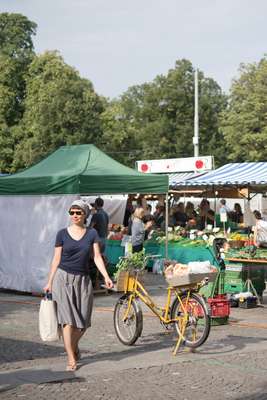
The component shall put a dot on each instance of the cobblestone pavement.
(232, 364)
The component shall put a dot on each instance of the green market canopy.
(81, 169)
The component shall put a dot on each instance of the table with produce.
(245, 265)
(182, 246)
(243, 260)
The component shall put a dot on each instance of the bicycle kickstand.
(179, 340)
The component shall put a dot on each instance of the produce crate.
(216, 321)
(189, 279)
(234, 267)
(235, 287)
(219, 306)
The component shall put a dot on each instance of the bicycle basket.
(189, 279)
(123, 281)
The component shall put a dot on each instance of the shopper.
(100, 221)
(69, 278)
(223, 207)
(190, 210)
(260, 230)
(128, 212)
(159, 216)
(236, 215)
(180, 217)
(139, 229)
(206, 215)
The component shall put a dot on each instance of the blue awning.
(252, 174)
(178, 177)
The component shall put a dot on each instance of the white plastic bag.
(48, 324)
(197, 267)
(158, 266)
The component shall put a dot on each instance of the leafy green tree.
(60, 108)
(118, 139)
(244, 123)
(158, 117)
(16, 53)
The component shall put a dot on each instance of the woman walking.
(139, 229)
(69, 279)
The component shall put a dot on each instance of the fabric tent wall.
(28, 228)
(113, 205)
(35, 203)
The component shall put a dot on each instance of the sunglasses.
(75, 212)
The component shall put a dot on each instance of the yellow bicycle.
(185, 309)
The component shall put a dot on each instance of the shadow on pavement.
(9, 380)
(162, 340)
(259, 395)
(13, 350)
(148, 344)
(230, 344)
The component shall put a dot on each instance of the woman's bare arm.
(54, 264)
(101, 266)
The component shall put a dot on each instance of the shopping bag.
(48, 323)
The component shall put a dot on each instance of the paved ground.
(231, 365)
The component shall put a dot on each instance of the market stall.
(35, 203)
(183, 250)
(245, 266)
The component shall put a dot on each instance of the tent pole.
(166, 225)
(215, 205)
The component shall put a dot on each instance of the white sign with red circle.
(189, 164)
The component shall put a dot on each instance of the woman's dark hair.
(147, 218)
(257, 214)
(237, 207)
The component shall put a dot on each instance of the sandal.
(72, 366)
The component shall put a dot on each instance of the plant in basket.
(132, 262)
(129, 266)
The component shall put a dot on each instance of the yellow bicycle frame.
(135, 289)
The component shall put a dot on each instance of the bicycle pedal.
(167, 327)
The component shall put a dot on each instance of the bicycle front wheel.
(128, 320)
(192, 319)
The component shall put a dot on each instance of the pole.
(196, 124)
(166, 224)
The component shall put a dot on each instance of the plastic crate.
(234, 287)
(219, 306)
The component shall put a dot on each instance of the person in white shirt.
(260, 230)
(223, 207)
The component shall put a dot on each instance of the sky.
(120, 43)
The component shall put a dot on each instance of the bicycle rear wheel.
(128, 327)
(192, 316)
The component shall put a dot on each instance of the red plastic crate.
(219, 306)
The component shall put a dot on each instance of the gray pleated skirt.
(74, 297)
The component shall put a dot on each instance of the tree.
(244, 123)
(60, 108)
(16, 53)
(158, 117)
